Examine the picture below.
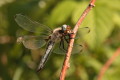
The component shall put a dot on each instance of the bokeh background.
(19, 63)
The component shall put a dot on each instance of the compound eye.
(64, 27)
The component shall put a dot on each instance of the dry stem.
(68, 54)
(108, 63)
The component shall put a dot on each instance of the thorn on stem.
(92, 5)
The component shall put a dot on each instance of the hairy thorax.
(56, 34)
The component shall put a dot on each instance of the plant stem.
(70, 46)
(107, 64)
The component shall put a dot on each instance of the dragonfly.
(59, 36)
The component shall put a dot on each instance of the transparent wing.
(76, 49)
(30, 25)
(82, 32)
(32, 42)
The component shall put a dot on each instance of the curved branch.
(70, 46)
(108, 63)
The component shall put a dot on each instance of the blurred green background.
(19, 63)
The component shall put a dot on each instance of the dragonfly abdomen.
(46, 55)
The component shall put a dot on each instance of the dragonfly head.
(66, 29)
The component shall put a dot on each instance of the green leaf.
(83, 74)
(18, 73)
(61, 12)
(114, 4)
(99, 20)
(78, 11)
(94, 64)
(117, 19)
(112, 73)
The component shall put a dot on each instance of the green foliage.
(62, 12)
(16, 62)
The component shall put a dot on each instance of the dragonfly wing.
(32, 42)
(76, 49)
(82, 32)
(59, 50)
(29, 25)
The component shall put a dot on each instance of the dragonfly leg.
(67, 40)
(61, 46)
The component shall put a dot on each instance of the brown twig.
(107, 64)
(68, 54)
